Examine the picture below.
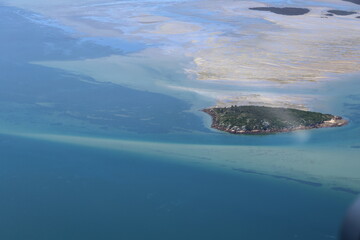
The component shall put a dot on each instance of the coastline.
(336, 121)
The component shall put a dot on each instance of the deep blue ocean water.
(62, 191)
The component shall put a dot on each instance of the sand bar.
(304, 164)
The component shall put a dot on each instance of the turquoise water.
(63, 191)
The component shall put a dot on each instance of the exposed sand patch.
(230, 44)
(227, 97)
(146, 19)
(292, 49)
(176, 28)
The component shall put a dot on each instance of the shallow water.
(64, 189)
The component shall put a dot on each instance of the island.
(266, 120)
(288, 11)
(341, 12)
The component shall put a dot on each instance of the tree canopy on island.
(250, 118)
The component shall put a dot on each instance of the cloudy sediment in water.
(102, 133)
(227, 41)
(208, 53)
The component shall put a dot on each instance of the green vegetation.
(240, 119)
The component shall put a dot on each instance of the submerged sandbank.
(332, 168)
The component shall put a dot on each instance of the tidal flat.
(101, 123)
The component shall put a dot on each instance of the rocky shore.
(266, 127)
